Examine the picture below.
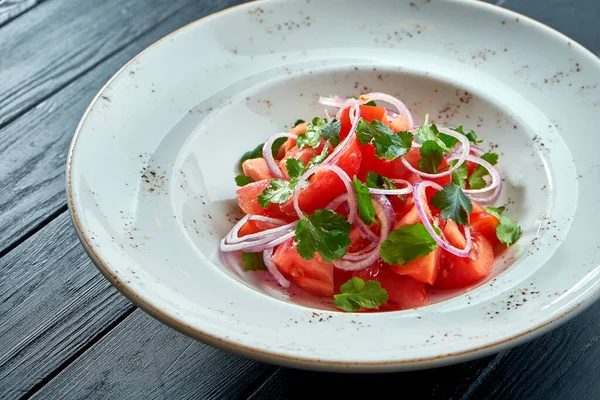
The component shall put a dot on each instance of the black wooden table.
(65, 332)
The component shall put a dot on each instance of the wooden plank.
(561, 365)
(73, 36)
(442, 383)
(33, 149)
(11, 9)
(53, 302)
(142, 358)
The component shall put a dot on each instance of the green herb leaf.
(253, 262)
(331, 132)
(318, 159)
(324, 232)
(406, 244)
(365, 202)
(430, 132)
(448, 140)
(432, 156)
(470, 134)
(312, 136)
(459, 176)
(492, 158)
(356, 294)
(387, 144)
(256, 153)
(453, 203)
(377, 181)
(507, 230)
(295, 168)
(370, 103)
(279, 192)
(298, 122)
(243, 180)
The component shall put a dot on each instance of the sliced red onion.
(268, 220)
(338, 201)
(361, 260)
(259, 245)
(261, 240)
(344, 145)
(402, 109)
(267, 153)
(463, 157)
(273, 233)
(496, 178)
(366, 232)
(338, 101)
(272, 268)
(478, 151)
(343, 176)
(408, 189)
(419, 189)
(491, 199)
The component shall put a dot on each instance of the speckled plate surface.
(151, 167)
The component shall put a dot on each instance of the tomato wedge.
(368, 113)
(313, 276)
(256, 169)
(248, 200)
(403, 291)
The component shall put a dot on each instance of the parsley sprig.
(320, 128)
(356, 294)
(453, 203)
(324, 232)
(388, 145)
(507, 230)
(365, 202)
(407, 243)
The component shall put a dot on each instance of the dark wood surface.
(66, 333)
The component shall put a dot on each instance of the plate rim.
(308, 362)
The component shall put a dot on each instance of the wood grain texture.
(561, 365)
(73, 36)
(11, 9)
(143, 358)
(33, 149)
(442, 383)
(53, 302)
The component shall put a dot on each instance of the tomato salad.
(369, 209)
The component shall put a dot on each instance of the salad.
(369, 210)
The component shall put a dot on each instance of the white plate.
(151, 167)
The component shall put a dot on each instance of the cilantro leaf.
(370, 103)
(431, 157)
(253, 262)
(507, 230)
(448, 140)
(476, 180)
(298, 122)
(243, 180)
(492, 158)
(387, 144)
(312, 136)
(295, 168)
(377, 181)
(331, 131)
(453, 203)
(459, 176)
(430, 132)
(278, 192)
(318, 159)
(365, 202)
(470, 134)
(356, 294)
(324, 232)
(406, 244)
(256, 153)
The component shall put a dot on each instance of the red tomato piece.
(304, 155)
(313, 276)
(459, 272)
(248, 200)
(368, 113)
(248, 229)
(325, 186)
(291, 143)
(403, 291)
(256, 169)
(399, 124)
(423, 269)
(413, 157)
(485, 224)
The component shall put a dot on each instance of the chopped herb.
(277, 145)
(476, 180)
(356, 294)
(365, 202)
(256, 153)
(377, 181)
(253, 262)
(459, 176)
(323, 232)
(243, 180)
(370, 103)
(407, 243)
(430, 132)
(470, 134)
(432, 156)
(279, 192)
(387, 144)
(453, 203)
(507, 230)
(331, 132)
(298, 122)
(317, 128)
(295, 168)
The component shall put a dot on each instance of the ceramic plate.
(151, 168)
